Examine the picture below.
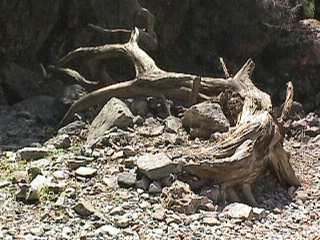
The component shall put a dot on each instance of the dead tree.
(249, 149)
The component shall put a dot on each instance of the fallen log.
(250, 148)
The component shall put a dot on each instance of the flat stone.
(37, 231)
(127, 179)
(86, 172)
(211, 221)
(151, 130)
(74, 164)
(32, 153)
(84, 208)
(129, 151)
(238, 210)
(156, 166)
(60, 175)
(109, 229)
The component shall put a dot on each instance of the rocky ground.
(81, 184)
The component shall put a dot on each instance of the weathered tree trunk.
(247, 151)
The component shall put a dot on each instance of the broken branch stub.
(247, 151)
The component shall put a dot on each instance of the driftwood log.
(249, 149)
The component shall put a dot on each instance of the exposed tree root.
(248, 150)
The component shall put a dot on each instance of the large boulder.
(114, 114)
(204, 119)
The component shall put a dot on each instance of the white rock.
(109, 229)
(86, 172)
(238, 210)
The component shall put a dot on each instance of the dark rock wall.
(192, 34)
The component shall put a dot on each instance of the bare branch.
(225, 70)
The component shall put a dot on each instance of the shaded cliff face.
(192, 35)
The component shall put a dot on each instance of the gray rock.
(173, 124)
(114, 114)
(32, 153)
(204, 119)
(238, 210)
(84, 208)
(156, 166)
(129, 151)
(60, 141)
(126, 179)
(86, 172)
